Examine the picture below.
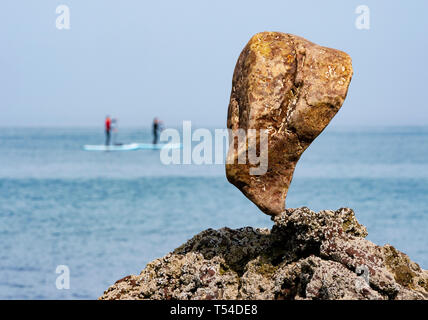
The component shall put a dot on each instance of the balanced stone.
(289, 89)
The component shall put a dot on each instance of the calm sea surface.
(105, 215)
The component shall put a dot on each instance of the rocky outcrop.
(306, 255)
(288, 89)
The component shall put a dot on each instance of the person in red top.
(108, 129)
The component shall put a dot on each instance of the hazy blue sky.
(175, 59)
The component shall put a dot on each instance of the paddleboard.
(158, 146)
(119, 147)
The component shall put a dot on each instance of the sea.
(105, 215)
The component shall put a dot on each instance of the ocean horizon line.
(211, 126)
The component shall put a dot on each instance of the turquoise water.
(105, 215)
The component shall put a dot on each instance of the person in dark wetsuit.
(108, 129)
(156, 129)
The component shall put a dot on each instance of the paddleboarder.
(108, 129)
(156, 129)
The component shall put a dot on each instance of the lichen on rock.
(306, 255)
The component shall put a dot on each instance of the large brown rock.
(306, 255)
(290, 88)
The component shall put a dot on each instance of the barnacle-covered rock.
(306, 255)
